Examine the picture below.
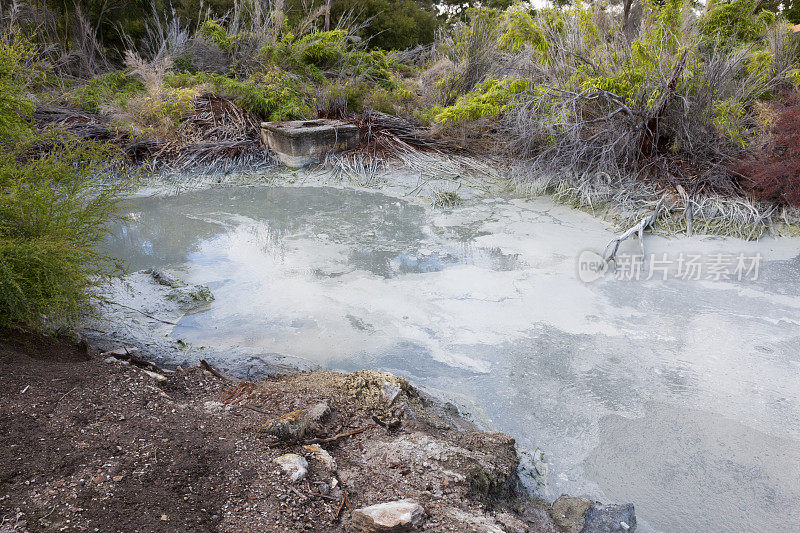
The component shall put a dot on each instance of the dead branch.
(637, 229)
(318, 440)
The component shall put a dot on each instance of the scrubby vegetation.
(659, 102)
(52, 211)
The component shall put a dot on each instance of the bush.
(272, 94)
(116, 87)
(773, 172)
(217, 35)
(53, 213)
(15, 76)
(489, 98)
(732, 22)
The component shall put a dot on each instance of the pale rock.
(319, 412)
(390, 392)
(472, 522)
(610, 519)
(295, 466)
(401, 515)
(212, 406)
(155, 375)
(322, 456)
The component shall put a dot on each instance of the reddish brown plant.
(772, 173)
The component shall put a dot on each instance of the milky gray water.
(681, 396)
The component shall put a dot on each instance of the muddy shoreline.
(93, 443)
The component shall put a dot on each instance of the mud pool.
(679, 396)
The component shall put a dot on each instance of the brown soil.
(88, 445)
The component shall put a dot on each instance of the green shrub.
(489, 98)
(53, 213)
(115, 87)
(217, 35)
(273, 94)
(15, 107)
(520, 29)
(323, 49)
(727, 116)
(53, 219)
(735, 22)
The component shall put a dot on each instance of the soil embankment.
(94, 444)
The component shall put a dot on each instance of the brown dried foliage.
(772, 173)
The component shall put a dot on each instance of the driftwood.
(130, 357)
(637, 229)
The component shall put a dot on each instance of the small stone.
(294, 465)
(511, 523)
(401, 515)
(155, 375)
(326, 459)
(212, 406)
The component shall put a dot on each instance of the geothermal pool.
(679, 395)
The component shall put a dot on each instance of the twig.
(341, 505)
(62, 397)
(323, 496)
(340, 435)
(305, 498)
(210, 368)
(254, 409)
(142, 312)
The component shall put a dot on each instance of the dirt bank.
(89, 444)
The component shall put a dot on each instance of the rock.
(495, 474)
(401, 515)
(319, 412)
(389, 392)
(610, 519)
(163, 278)
(294, 465)
(212, 406)
(190, 297)
(297, 425)
(320, 455)
(470, 522)
(569, 513)
(155, 375)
